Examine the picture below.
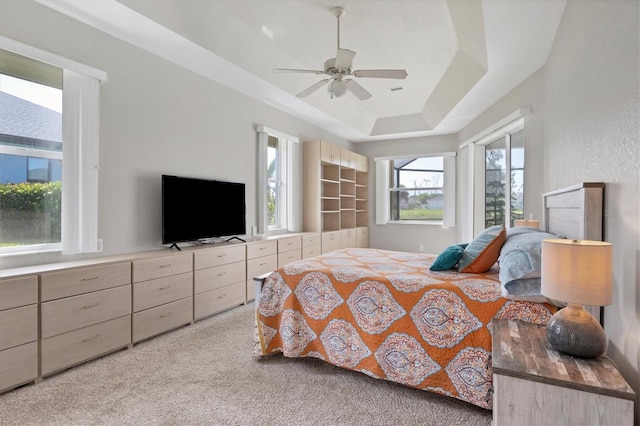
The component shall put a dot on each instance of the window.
(416, 192)
(504, 179)
(278, 160)
(416, 189)
(36, 184)
(493, 189)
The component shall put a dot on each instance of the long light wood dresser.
(56, 316)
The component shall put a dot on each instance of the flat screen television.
(201, 209)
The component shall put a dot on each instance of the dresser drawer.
(56, 285)
(162, 318)
(208, 258)
(150, 269)
(72, 348)
(261, 265)
(63, 315)
(261, 248)
(219, 276)
(311, 251)
(311, 240)
(219, 299)
(157, 292)
(15, 292)
(289, 243)
(288, 257)
(18, 326)
(18, 365)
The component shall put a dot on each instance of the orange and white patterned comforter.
(385, 314)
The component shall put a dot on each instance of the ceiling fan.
(339, 68)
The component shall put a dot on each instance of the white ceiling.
(461, 55)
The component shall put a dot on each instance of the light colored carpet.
(204, 374)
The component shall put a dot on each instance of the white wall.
(585, 127)
(592, 133)
(155, 118)
(406, 237)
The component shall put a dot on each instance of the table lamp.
(578, 272)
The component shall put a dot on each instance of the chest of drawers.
(18, 331)
(220, 275)
(85, 313)
(162, 294)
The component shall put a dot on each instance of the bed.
(391, 316)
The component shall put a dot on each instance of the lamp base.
(575, 332)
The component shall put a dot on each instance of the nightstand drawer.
(72, 348)
(15, 292)
(217, 300)
(149, 269)
(56, 285)
(18, 365)
(163, 318)
(261, 248)
(149, 294)
(208, 258)
(18, 326)
(219, 276)
(63, 315)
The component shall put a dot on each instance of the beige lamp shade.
(577, 271)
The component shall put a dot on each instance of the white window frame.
(448, 189)
(80, 126)
(473, 216)
(289, 188)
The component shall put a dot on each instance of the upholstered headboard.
(576, 212)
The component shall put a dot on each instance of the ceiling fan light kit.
(340, 67)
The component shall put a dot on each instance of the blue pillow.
(448, 258)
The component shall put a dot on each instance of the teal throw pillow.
(448, 258)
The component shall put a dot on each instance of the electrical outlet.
(100, 245)
(421, 247)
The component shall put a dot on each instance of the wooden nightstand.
(536, 385)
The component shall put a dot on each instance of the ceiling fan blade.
(299, 71)
(309, 90)
(399, 74)
(344, 58)
(360, 92)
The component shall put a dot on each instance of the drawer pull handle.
(222, 274)
(166, 288)
(263, 263)
(221, 255)
(88, 339)
(91, 306)
(168, 314)
(262, 248)
(91, 278)
(166, 265)
(222, 296)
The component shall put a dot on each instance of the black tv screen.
(199, 209)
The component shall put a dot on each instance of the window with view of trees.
(278, 158)
(416, 189)
(273, 193)
(504, 179)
